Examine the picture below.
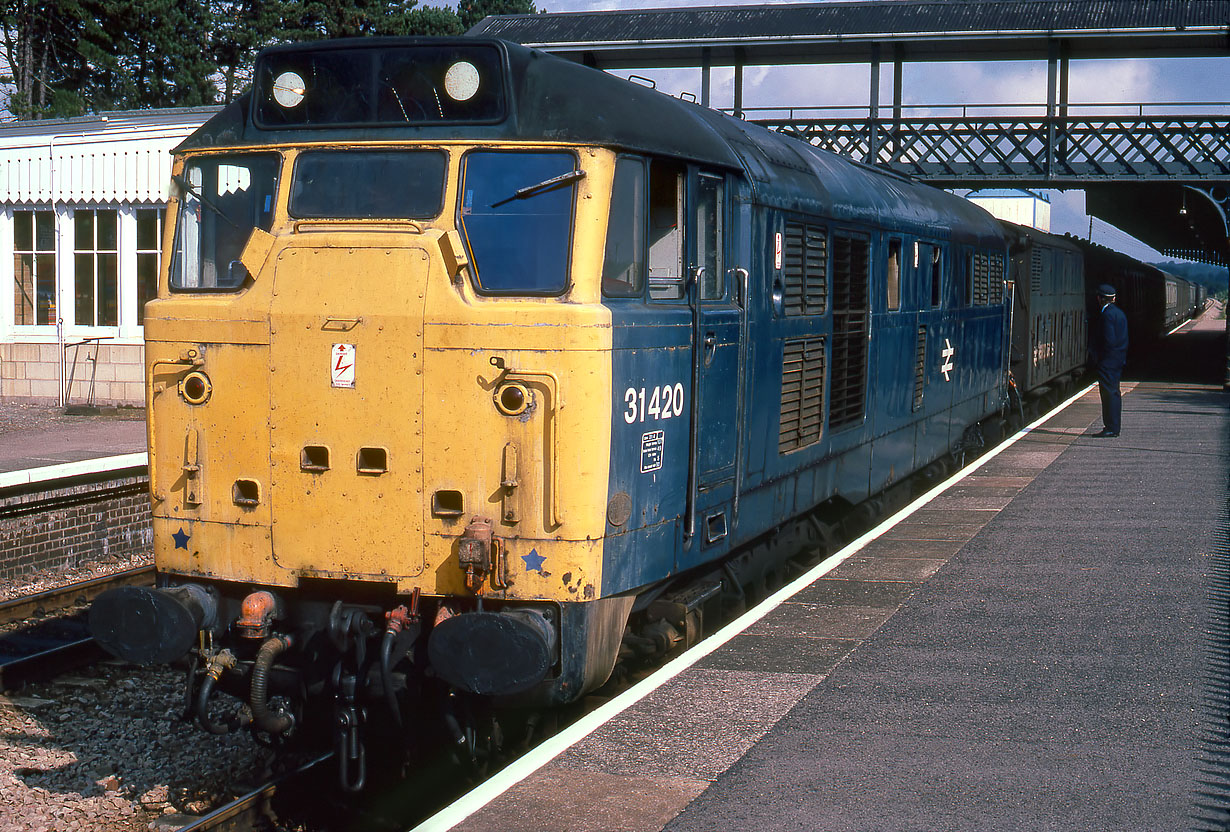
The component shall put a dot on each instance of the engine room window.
(709, 203)
(516, 218)
(623, 263)
(368, 184)
(893, 272)
(221, 199)
(927, 260)
(665, 231)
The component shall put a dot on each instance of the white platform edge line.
(551, 748)
(73, 469)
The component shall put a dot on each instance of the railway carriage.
(1153, 301)
(464, 356)
(1049, 331)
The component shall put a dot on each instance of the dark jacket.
(1111, 346)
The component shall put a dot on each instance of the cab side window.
(666, 280)
(623, 263)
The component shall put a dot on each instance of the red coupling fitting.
(256, 615)
(402, 617)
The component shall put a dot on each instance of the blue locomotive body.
(805, 331)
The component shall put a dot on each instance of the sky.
(1103, 82)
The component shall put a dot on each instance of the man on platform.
(1109, 354)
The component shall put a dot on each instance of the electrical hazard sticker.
(652, 444)
(342, 365)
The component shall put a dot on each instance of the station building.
(82, 208)
(1015, 205)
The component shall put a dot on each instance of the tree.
(312, 19)
(157, 56)
(239, 29)
(472, 11)
(68, 57)
(44, 46)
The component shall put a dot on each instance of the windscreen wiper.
(543, 186)
(183, 183)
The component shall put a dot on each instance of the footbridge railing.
(970, 145)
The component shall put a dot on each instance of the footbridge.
(1158, 170)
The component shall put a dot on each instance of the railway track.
(258, 808)
(53, 645)
(60, 598)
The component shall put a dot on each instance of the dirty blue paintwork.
(785, 180)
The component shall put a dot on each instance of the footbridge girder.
(1132, 167)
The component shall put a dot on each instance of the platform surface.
(38, 436)
(1023, 653)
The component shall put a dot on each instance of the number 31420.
(664, 402)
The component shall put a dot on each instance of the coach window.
(893, 272)
(623, 261)
(666, 281)
(221, 199)
(516, 219)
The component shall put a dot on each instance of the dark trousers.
(1112, 402)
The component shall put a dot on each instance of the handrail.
(1071, 109)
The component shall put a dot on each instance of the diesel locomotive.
(470, 365)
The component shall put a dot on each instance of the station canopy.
(834, 32)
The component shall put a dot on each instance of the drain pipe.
(51, 151)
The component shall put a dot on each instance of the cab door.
(717, 322)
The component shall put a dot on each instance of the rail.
(51, 600)
(71, 652)
(250, 810)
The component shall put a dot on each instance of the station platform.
(1027, 650)
(38, 437)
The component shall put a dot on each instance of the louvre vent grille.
(981, 269)
(848, 396)
(802, 394)
(997, 279)
(920, 367)
(805, 269)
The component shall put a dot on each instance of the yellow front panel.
(230, 439)
(423, 395)
(362, 517)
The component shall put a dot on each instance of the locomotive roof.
(551, 99)
(1024, 234)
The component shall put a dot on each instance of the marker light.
(288, 89)
(461, 81)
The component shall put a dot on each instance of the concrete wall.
(115, 372)
(65, 525)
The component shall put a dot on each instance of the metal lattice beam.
(1035, 151)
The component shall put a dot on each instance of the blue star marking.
(533, 561)
(181, 539)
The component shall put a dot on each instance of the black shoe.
(1106, 434)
